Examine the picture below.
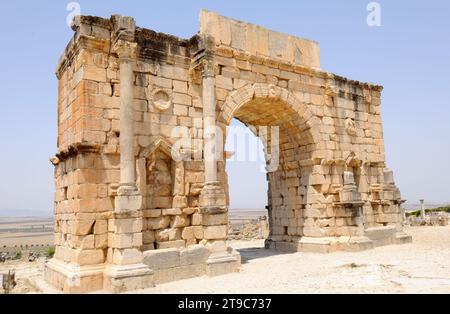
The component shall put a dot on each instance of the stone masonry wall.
(89, 124)
(347, 136)
(328, 183)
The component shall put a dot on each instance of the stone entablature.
(134, 208)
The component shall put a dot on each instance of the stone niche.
(169, 222)
(134, 208)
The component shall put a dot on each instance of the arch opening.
(247, 182)
(286, 141)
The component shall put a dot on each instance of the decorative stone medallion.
(161, 99)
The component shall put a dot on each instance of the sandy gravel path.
(420, 267)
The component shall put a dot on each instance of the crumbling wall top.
(226, 32)
(260, 41)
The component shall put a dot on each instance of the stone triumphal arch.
(134, 208)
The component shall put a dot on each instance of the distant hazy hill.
(6, 212)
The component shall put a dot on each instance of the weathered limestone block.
(65, 254)
(152, 213)
(314, 232)
(197, 219)
(180, 221)
(158, 223)
(148, 236)
(174, 73)
(180, 202)
(128, 202)
(214, 220)
(194, 255)
(89, 257)
(88, 242)
(168, 235)
(189, 210)
(101, 241)
(215, 232)
(161, 202)
(100, 227)
(180, 86)
(172, 211)
(126, 257)
(120, 241)
(313, 213)
(84, 227)
(130, 225)
(171, 244)
(162, 259)
(195, 232)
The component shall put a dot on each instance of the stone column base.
(160, 266)
(321, 245)
(222, 263)
(123, 278)
(388, 235)
(71, 278)
(195, 261)
(374, 237)
(403, 238)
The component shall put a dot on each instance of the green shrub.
(18, 255)
(51, 252)
(431, 210)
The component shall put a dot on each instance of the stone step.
(379, 233)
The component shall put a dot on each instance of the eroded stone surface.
(125, 185)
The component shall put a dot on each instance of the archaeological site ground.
(141, 187)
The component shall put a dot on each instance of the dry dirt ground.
(420, 267)
(16, 239)
(15, 232)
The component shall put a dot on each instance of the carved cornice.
(74, 150)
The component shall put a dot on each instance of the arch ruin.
(129, 215)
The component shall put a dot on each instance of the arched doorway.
(272, 114)
(247, 183)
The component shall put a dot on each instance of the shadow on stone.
(248, 254)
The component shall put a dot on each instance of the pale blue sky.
(408, 54)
